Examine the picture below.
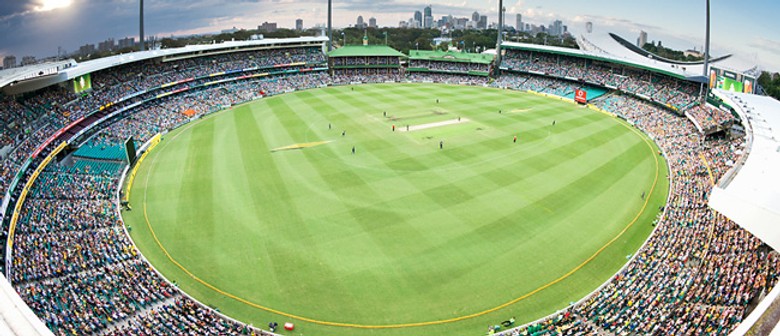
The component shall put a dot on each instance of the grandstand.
(703, 271)
(365, 64)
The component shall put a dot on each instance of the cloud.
(766, 44)
(12, 9)
(27, 32)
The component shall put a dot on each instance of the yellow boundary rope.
(425, 323)
(152, 143)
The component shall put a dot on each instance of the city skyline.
(38, 27)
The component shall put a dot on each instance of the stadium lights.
(707, 42)
(500, 31)
(141, 25)
(330, 25)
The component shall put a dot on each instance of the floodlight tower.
(500, 33)
(707, 43)
(141, 25)
(330, 25)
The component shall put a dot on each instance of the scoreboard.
(731, 81)
(82, 83)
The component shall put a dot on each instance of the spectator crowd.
(699, 273)
(75, 267)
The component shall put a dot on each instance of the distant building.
(224, 31)
(693, 53)
(27, 60)
(642, 40)
(106, 45)
(475, 16)
(87, 49)
(372, 22)
(556, 29)
(299, 25)
(589, 27)
(437, 41)
(418, 16)
(360, 23)
(9, 62)
(482, 23)
(268, 27)
(519, 22)
(460, 23)
(428, 17)
(127, 42)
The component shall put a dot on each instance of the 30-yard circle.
(270, 204)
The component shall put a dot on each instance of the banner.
(82, 83)
(581, 96)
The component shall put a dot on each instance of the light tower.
(707, 43)
(330, 25)
(141, 33)
(500, 34)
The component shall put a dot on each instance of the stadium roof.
(14, 75)
(365, 50)
(751, 197)
(230, 46)
(451, 56)
(654, 66)
(78, 69)
(16, 317)
(607, 46)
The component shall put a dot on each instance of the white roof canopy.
(752, 197)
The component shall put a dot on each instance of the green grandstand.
(418, 57)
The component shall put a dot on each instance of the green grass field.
(401, 232)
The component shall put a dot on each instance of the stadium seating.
(662, 89)
(699, 271)
(73, 263)
(77, 269)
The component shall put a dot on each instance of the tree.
(771, 84)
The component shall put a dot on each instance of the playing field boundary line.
(424, 323)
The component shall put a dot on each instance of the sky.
(746, 28)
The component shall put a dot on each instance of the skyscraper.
(299, 24)
(418, 16)
(475, 17)
(519, 23)
(482, 23)
(372, 22)
(428, 18)
(642, 40)
(557, 28)
(360, 23)
(428, 23)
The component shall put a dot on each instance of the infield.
(402, 236)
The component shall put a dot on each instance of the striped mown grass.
(402, 231)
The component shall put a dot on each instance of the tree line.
(771, 83)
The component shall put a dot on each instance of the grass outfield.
(401, 232)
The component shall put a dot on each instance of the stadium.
(278, 187)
